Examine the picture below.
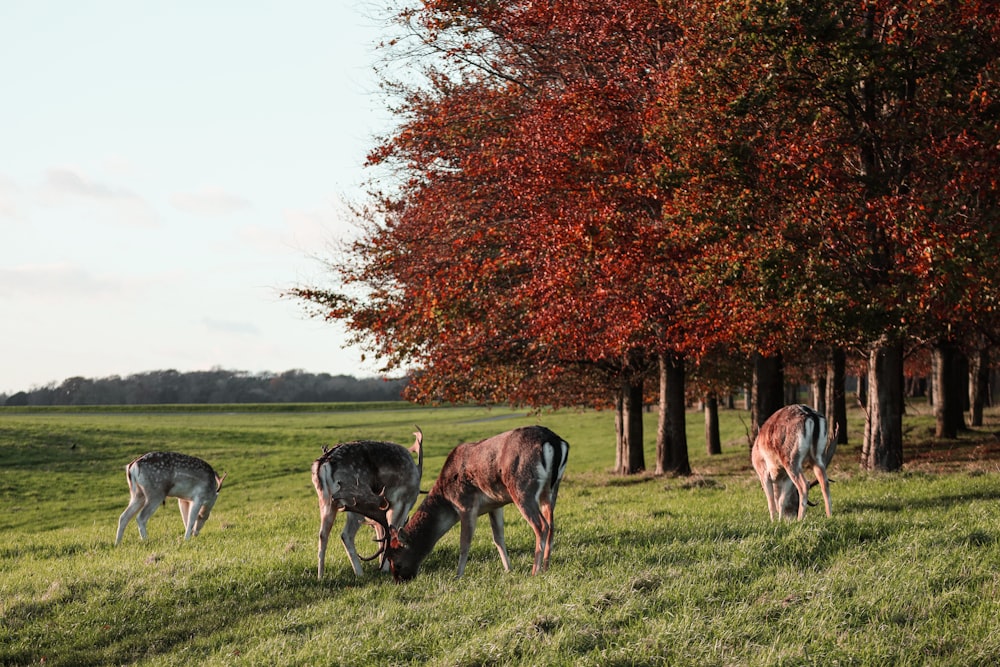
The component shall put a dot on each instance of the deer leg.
(347, 536)
(327, 515)
(152, 504)
(184, 505)
(136, 503)
(824, 484)
(496, 524)
(769, 484)
(468, 520)
(198, 505)
(802, 486)
(397, 516)
(548, 516)
(193, 526)
(532, 514)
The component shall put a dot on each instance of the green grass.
(645, 571)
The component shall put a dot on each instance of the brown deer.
(359, 470)
(155, 476)
(523, 467)
(791, 439)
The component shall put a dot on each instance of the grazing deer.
(362, 469)
(523, 466)
(792, 438)
(155, 476)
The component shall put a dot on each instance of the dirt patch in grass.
(973, 451)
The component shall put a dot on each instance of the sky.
(166, 170)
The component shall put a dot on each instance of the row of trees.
(214, 386)
(582, 197)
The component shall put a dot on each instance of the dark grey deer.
(372, 471)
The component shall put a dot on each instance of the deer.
(362, 469)
(523, 466)
(155, 476)
(791, 439)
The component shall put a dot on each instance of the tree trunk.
(882, 448)
(979, 385)
(671, 437)
(621, 450)
(818, 391)
(949, 390)
(630, 457)
(836, 395)
(768, 389)
(713, 442)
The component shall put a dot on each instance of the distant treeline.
(214, 386)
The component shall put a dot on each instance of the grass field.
(645, 570)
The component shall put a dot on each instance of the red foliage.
(584, 183)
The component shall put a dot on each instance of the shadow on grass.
(893, 505)
(125, 626)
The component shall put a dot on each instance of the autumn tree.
(509, 258)
(585, 192)
(826, 166)
(720, 121)
(896, 92)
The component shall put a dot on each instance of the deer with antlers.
(373, 473)
(791, 439)
(523, 466)
(155, 476)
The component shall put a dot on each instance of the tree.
(949, 377)
(584, 188)
(511, 255)
(833, 127)
(979, 382)
(836, 398)
(671, 441)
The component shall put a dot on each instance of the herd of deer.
(379, 483)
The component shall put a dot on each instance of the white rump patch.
(564, 455)
(545, 465)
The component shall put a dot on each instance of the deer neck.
(426, 526)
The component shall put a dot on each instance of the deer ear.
(394, 541)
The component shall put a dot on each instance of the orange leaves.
(581, 179)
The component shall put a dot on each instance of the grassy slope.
(645, 570)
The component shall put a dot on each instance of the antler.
(381, 549)
(371, 506)
(376, 512)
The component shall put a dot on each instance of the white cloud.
(209, 201)
(67, 186)
(54, 280)
(67, 182)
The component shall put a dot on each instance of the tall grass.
(645, 570)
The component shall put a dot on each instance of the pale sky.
(166, 169)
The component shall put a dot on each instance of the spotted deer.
(155, 476)
(523, 467)
(373, 472)
(791, 439)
